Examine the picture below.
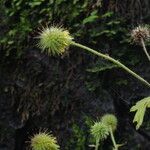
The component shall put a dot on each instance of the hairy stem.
(113, 139)
(114, 61)
(144, 48)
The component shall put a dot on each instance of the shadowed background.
(65, 95)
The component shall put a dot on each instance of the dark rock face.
(23, 104)
(30, 101)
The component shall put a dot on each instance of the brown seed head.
(140, 32)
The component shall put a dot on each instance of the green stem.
(114, 61)
(113, 139)
(97, 145)
(144, 48)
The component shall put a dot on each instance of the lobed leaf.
(140, 109)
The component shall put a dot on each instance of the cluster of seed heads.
(140, 32)
(100, 130)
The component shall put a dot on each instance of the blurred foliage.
(84, 19)
(80, 139)
(88, 22)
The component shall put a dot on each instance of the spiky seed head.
(99, 131)
(54, 40)
(44, 141)
(110, 120)
(140, 32)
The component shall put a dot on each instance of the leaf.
(91, 18)
(140, 109)
(108, 14)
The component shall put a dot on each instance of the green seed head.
(110, 120)
(44, 141)
(54, 40)
(99, 131)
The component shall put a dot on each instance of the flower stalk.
(144, 48)
(112, 60)
(113, 139)
(55, 41)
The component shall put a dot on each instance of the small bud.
(54, 40)
(140, 32)
(44, 141)
(110, 120)
(99, 131)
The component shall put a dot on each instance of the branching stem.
(113, 139)
(114, 61)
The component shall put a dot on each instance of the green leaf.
(108, 14)
(91, 18)
(140, 109)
